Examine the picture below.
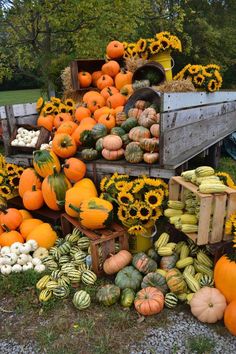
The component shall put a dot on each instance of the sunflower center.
(124, 200)
(133, 212)
(144, 211)
(5, 190)
(123, 213)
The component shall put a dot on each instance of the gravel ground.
(12, 347)
(173, 338)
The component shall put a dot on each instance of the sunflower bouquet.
(226, 179)
(145, 48)
(9, 178)
(203, 77)
(139, 201)
(230, 228)
(55, 106)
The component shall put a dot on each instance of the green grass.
(200, 345)
(19, 96)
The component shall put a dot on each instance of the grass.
(19, 96)
(200, 345)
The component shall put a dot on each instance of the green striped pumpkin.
(83, 243)
(79, 257)
(65, 248)
(155, 280)
(55, 275)
(176, 282)
(88, 277)
(108, 294)
(74, 237)
(64, 260)
(66, 268)
(44, 162)
(52, 265)
(206, 280)
(74, 276)
(82, 267)
(74, 249)
(61, 292)
(171, 300)
(51, 284)
(117, 131)
(64, 281)
(47, 259)
(81, 300)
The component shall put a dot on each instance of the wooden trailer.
(191, 123)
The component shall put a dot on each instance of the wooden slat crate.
(102, 242)
(215, 206)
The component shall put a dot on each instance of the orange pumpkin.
(111, 68)
(75, 196)
(104, 110)
(95, 102)
(85, 79)
(117, 262)
(109, 91)
(27, 226)
(116, 100)
(11, 218)
(46, 121)
(77, 133)
(113, 155)
(44, 235)
(61, 118)
(33, 200)
(7, 238)
(112, 142)
(25, 214)
(74, 169)
(230, 317)
(1, 230)
(108, 120)
(149, 301)
(64, 145)
(115, 49)
(87, 121)
(104, 81)
(95, 76)
(81, 113)
(123, 78)
(67, 128)
(28, 178)
(225, 277)
(90, 95)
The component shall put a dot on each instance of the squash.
(117, 262)
(61, 118)
(33, 200)
(112, 142)
(149, 301)
(64, 145)
(108, 120)
(108, 294)
(87, 139)
(150, 157)
(149, 144)
(86, 183)
(116, 100)
(108, 91)
(144, 263)
(99, 131)
(28, 225)
(103, 110)
(54, 188)
(74, 169)
(148, 117)
(28, 178)
(95, 76)
(115, 50)
(85, 79)
(129, 123)
(138, 133)
(89, 154)
(74, 196)
(155, 280)
(81, 128)
(225, 277)
(123, 78)
(46, 121)
(10, 218)
(128, 277)
(8, 238)
(113, 155)
(81, 112)
(117, 131)
(94, 213)
(176, 282)
(121, 117)
(44, 235)
(127, 297)
(134, 113)
(230, 317)
(99, 145)
(125, 139)
(25, 214)
(168, 262)
(111, 68)
(155, 130)
(127, 90)
(104, 81)
(67, 128)
(133, 153)
(208, 305)
(44, 162)
(141, 104)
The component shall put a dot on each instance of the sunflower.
(126, 55)
(194, 69)
(153, 198)
(5, 191)
(122, 213)
(155, 47)
(110, 187)
(226, 179)
(138, 185)
(39, 104)
(69, 102)
(180, 75)
(120, 185)
(1, 179)
(156, 213)
(144, 211)
(56, 101)
(212, 66)
(14, 181)
(132, 212)
(3, 172)
(205, 72)
(212, 85)
(165, 44)
(48, 108)
(144, 55)
(141, 45)
(62, 108)
(125, 198)
(70, 110)
(125, 45)
(162, 34)
(11, 168)
(199, 79)
(19, 171)
(228, 227)
(136, 230)
(103, 183)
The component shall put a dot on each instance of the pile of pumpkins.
(63, 187)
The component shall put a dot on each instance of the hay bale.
(176, 86)
(66, 79)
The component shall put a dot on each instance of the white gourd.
(27, 266)
(36, 261)
(6, 269)
(39, 268)
(33, 244)
(16, 268)
(5, 250)
(22, 259)
(15, 248)
(25, 248)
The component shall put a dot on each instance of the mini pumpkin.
(116, 100)
(44, 162)
(11, 218)
(85, 79)
(108, 120)
(117, 262)
(28, 178)
(113, 155)
(112, 142)
(95, 101)
(127, 90)
(123, 78)
(104, 81)
(115, 49)
(67, 128)
(29, 225)
(120, 118)
(230, 317)
(33, 200)
(141, 104)
(149, 144)
(7, 238)
(109, 91)
(100, 111)
(46, 121)
(134, 113)
(44, 235)
(148, 117)
(111, 68)
(133, 153)
(138, 133)
(150, 157)
(149, 301)
(64, 145)
(74, 169)
(155, 130)
(95, 76)
(61, 118)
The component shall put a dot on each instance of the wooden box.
(102, 242)
(89, 65)
(216, 206)
(43, 138)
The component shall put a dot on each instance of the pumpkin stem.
(34, 188)
(3, 209)
(54, 170)
(66, 165)
(60, 203)
(5, 228)
(74, 208)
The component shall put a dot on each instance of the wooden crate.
(218, 206)
(89, 65)
(100, 240)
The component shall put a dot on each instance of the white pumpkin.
(36, 261)
(15, 248)
(39, 268)
(40, 253)
(22, 259)
(25, 248)
(12, 257)
(5, 250)
(27, 266)
(29, 258)
(6, 269)
(33, 245)
(2, 261)
(16, 268)
(19, 130)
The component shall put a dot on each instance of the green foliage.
(200, 345)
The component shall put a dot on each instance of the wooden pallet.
(102, 242)
(218, 206)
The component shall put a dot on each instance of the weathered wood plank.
(178, 100)
(6, 136)
(20, 110)
(11, 118)
(24, 160)
(31, 119)
(74, 75)
(218, 217)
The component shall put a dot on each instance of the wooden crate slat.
(190, 186)
(174, 189)
(204, 220)
(231, 207)
(218, 219)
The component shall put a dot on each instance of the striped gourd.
(82, 267)
(162, 240)
(179, 246)
(189, 228)
(165, 251)
(41, 284)
(172, 212)
(174, 219)
(182, 297)
(202, 269)
(162, 272)
(83, 243)
(52, 265)
(171, 300)
(45, 295)
(175, 204)
(190, 210)
(172, 245)
(193, 284)
(187, 175)
(74, 276)
(182, 263)
(67, 268)
(74, 250)
(210, 179)
(212, 188)
(204, 171)
(52, 250)
(74, 237)
(51, 284)
(178, 224)
(81, 300)
(47, 259)
(61, 292)
(184, 251)
(88, 277)
(188, 219)
(55, 275)
(175, 281)
(190, 269)
(204, 259)
(57, 254)
(64, 260)
(59, 242)
(64, 281)
(65, 248)
(193, 250)
(189, 297)
(198, 276)
(206, 280)
(79, 257)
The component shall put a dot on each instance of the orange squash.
(115, 49)
(74, 169)
(28, 178)
(25, 214)
(87, 121)
(113, 155)
(104, 81)
(46, 121)
(225, 277)
(44, 161)
(27, 226)
(61, 118)
(67, 128)
(108, 120)
(95, 76)
(86, 183)
(90, 95)
(75, 196)
(7, 238)
(116, 100)
(81, 113)
(44, 235)
(123, 78)
(117, 262)
(54, 188)
(149, 301)
(64, 145)
(85, 79)
(109, 91)
(11, 218)
(230, 317)
(111, 68)
(112, 142)
(104, 110)
(33, 200)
